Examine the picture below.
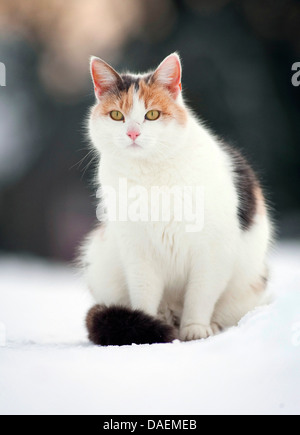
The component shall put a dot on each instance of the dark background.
(237, 58)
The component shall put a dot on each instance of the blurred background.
(237, 58)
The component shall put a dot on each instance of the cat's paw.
(195, 332)
(216, 328)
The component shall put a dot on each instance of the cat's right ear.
(104, 76)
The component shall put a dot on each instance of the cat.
(154, 282)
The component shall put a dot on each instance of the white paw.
(195, 332)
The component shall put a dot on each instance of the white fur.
(204, 280)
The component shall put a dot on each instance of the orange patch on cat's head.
(122, 101)
(156, 96)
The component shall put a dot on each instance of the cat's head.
(138, 116)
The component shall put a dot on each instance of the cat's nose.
(133, 134)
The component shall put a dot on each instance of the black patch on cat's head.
(246, 183)
(129, 80)
(119, 326)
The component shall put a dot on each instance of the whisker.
(78, 164)
(88, 165)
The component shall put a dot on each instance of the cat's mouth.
(134, 145)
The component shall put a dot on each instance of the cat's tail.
(120, 326)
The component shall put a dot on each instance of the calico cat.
(154, 281)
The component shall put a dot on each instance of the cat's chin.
(135, 146)
(136, 151)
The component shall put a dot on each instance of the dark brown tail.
(119, 326)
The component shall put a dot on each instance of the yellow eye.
(153, 115)
(116, 115)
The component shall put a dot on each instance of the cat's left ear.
(169, 74)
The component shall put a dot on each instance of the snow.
(47, 365)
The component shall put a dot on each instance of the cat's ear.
(169, 74)
(104, 76)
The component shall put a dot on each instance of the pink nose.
(133, 134)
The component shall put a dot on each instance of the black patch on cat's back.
(246, 183)
(129, 80)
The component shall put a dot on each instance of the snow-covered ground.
(47, 365)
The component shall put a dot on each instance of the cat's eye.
(116, 115)
(152, 115)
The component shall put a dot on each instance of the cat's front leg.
(145, 285)
(205, 286)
